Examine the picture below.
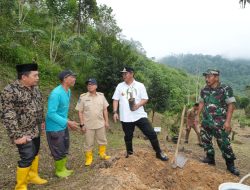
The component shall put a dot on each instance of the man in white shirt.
(131, 96)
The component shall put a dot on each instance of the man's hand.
(23, 140)
(43, 126)
(83, 129)
(115, 117)
(188, 126)
(73, 125)
(136, 106)
(106, 125)
(227, 127)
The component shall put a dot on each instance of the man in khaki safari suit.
(93, 115)
(192, 123)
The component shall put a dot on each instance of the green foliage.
(49, 32)
(247, 111)
(7, 7)
(61, 9)
(172, 120)
(113, 57)
(240, 118)
(234, 73)
(243, 102)
(106, 24)
(158, 92)
(48, 75)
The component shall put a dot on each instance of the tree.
(106, 23)
(6, 8)
(113, 56)
(158, 94)
(243, 3)
(244, 102)
(247, 111)
(62, 10)
(247, 91)
(87, 12)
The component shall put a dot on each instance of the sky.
(166, 27)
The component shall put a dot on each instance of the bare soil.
(141, 171)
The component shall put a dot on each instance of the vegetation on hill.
(85, 38)
(233, 72)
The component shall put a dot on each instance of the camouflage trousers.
(223, 141)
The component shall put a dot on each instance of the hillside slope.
(233, 72)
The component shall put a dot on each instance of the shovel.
(179, 159)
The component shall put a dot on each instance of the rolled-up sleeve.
(229, 95)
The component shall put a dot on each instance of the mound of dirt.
(142, 171)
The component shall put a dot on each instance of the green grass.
(239, 118)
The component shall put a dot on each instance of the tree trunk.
(153, 115)
(79, 17)
(197, 89)
(188, 93)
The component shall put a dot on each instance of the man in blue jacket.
(57, 122)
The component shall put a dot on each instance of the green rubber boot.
(61, 170)
(65, 164)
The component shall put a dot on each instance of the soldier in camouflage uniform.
(217, 104)
(22, 116)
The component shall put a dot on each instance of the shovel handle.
(180, 132)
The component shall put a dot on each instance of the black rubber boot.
(159, 154)
(232, 168)
(129, 148)
(209, 160)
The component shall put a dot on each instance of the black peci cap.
(26, 67)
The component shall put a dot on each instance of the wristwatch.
(81, 125)
(114, 112)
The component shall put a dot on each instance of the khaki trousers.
(92, 134)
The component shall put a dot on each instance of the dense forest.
(233, 72)
(84, 37)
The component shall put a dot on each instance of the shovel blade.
(180, 160)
